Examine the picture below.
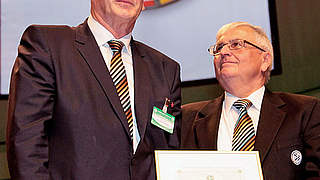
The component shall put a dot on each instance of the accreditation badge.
(162, 120)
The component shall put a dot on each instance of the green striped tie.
(119, 78)
(243, 134)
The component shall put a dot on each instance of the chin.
(228, 72)
(127, 13)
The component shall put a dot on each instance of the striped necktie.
(119, 78)
(243, 134)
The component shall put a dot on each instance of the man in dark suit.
(81, 100)
(283, 127)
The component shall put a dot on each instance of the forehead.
(241, 32)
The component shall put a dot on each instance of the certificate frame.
(207, 165)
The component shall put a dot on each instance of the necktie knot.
(242, 104)
(116, 46)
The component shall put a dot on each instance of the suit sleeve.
(175, 97)
(188, 141)
(312, 140)
(31, 101)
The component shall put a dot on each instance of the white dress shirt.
(229, 117)
(102, 36)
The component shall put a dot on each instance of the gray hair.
(261, 39)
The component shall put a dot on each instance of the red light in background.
(148, 3)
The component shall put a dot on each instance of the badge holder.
(162, 119)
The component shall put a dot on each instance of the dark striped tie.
(119, 78)
(243, 134)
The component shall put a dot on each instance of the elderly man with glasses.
(283, 127)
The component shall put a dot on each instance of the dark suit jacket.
(65, 119)
(287, 122)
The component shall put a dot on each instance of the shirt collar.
(102, 35)
(256, 99)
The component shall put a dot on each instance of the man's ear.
(266, 61)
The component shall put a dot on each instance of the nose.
(225, 51)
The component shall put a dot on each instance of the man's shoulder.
(49, 28)
(55, 36)
(141, 46)
(195, 106)
(296, 99)
(53, 30)
(148, 51)
(299, 98)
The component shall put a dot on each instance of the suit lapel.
(142, 89)
(271, 118)
(90, 52)
(207, 124)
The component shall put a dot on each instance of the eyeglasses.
(235, 44)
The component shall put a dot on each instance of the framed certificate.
(208, 165)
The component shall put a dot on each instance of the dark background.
(299, 39)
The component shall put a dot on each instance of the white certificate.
(208, 165)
